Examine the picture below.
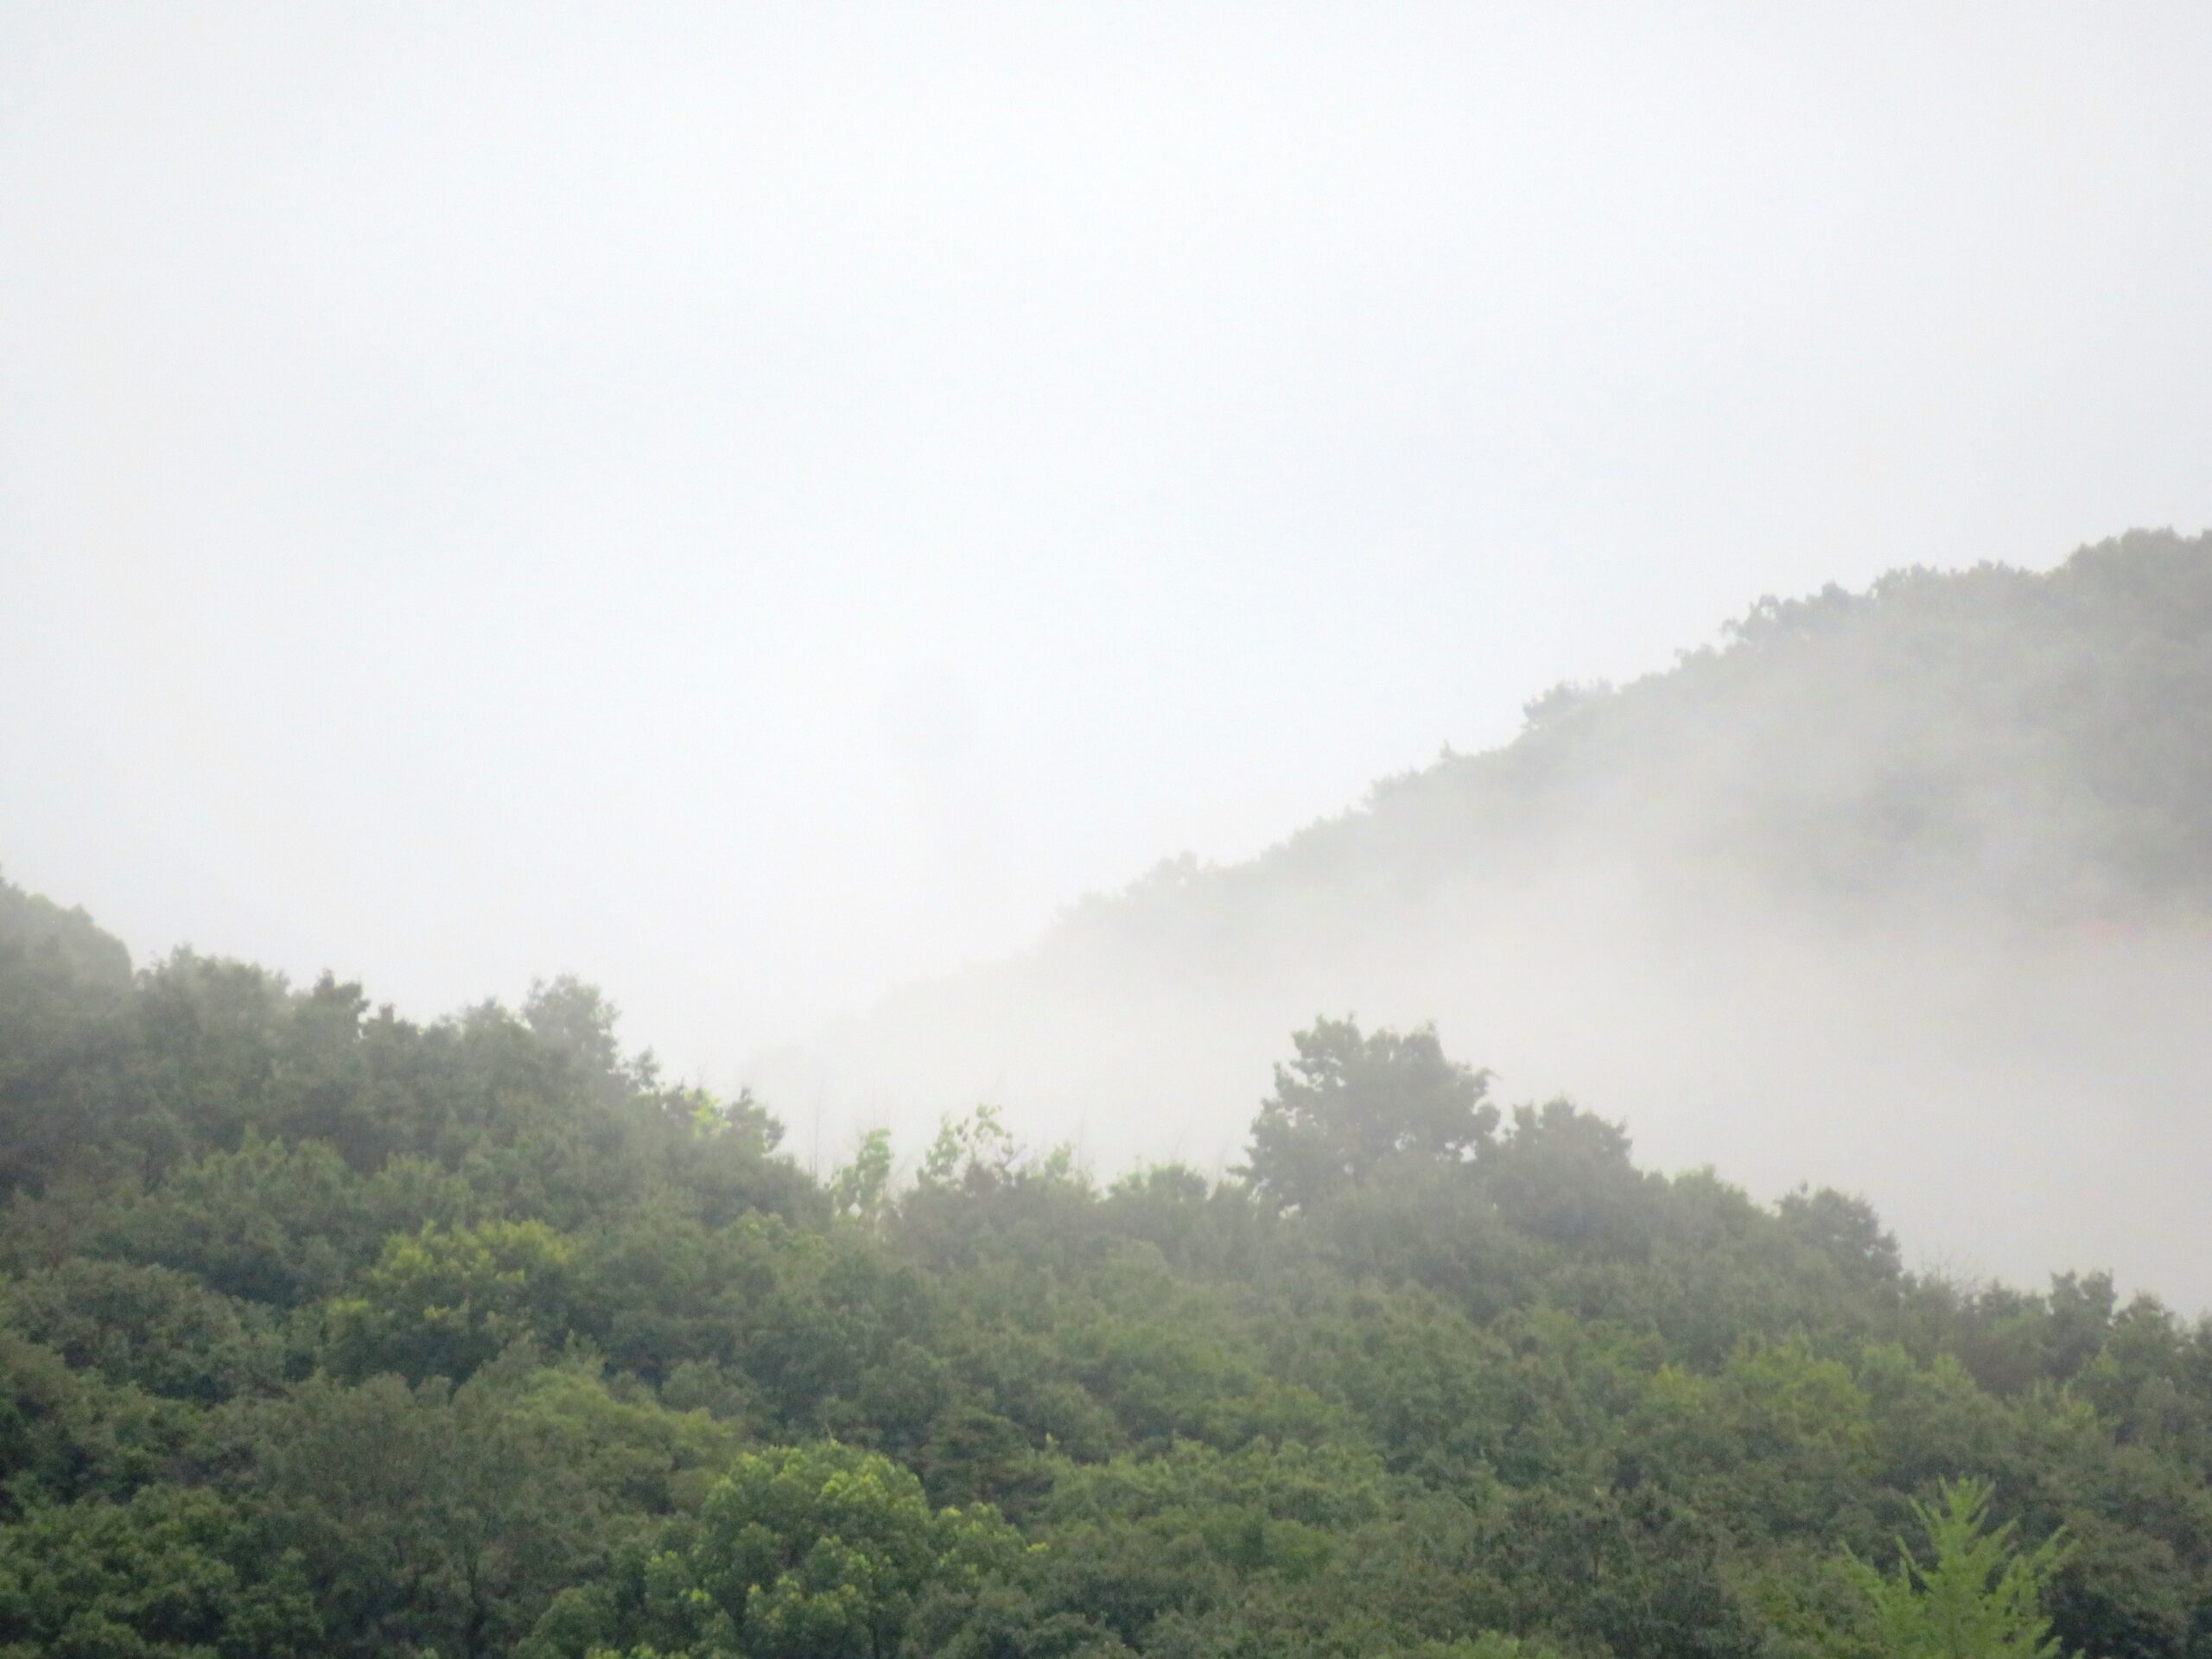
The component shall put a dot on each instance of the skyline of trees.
(325, 1332)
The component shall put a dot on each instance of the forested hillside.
(1929, 866)
(325, 1333)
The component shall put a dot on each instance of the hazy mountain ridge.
(2034, 738)
(65, 940)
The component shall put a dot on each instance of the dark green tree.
(1350, 1107)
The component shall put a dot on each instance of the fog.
(2015, 1107)
(759, 508)
(1903, 892)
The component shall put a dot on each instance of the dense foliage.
(324, 1332)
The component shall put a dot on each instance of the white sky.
(751, 505)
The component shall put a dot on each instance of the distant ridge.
(2035, 740)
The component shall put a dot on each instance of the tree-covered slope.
(325, 1333)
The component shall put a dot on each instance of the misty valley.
(1906, 892)
(1720, 1175)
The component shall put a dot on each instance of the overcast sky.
(754, 504)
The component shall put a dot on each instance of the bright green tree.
(862, 1189)
(1980, 1597)
(808, 1552)
(443, 1301)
